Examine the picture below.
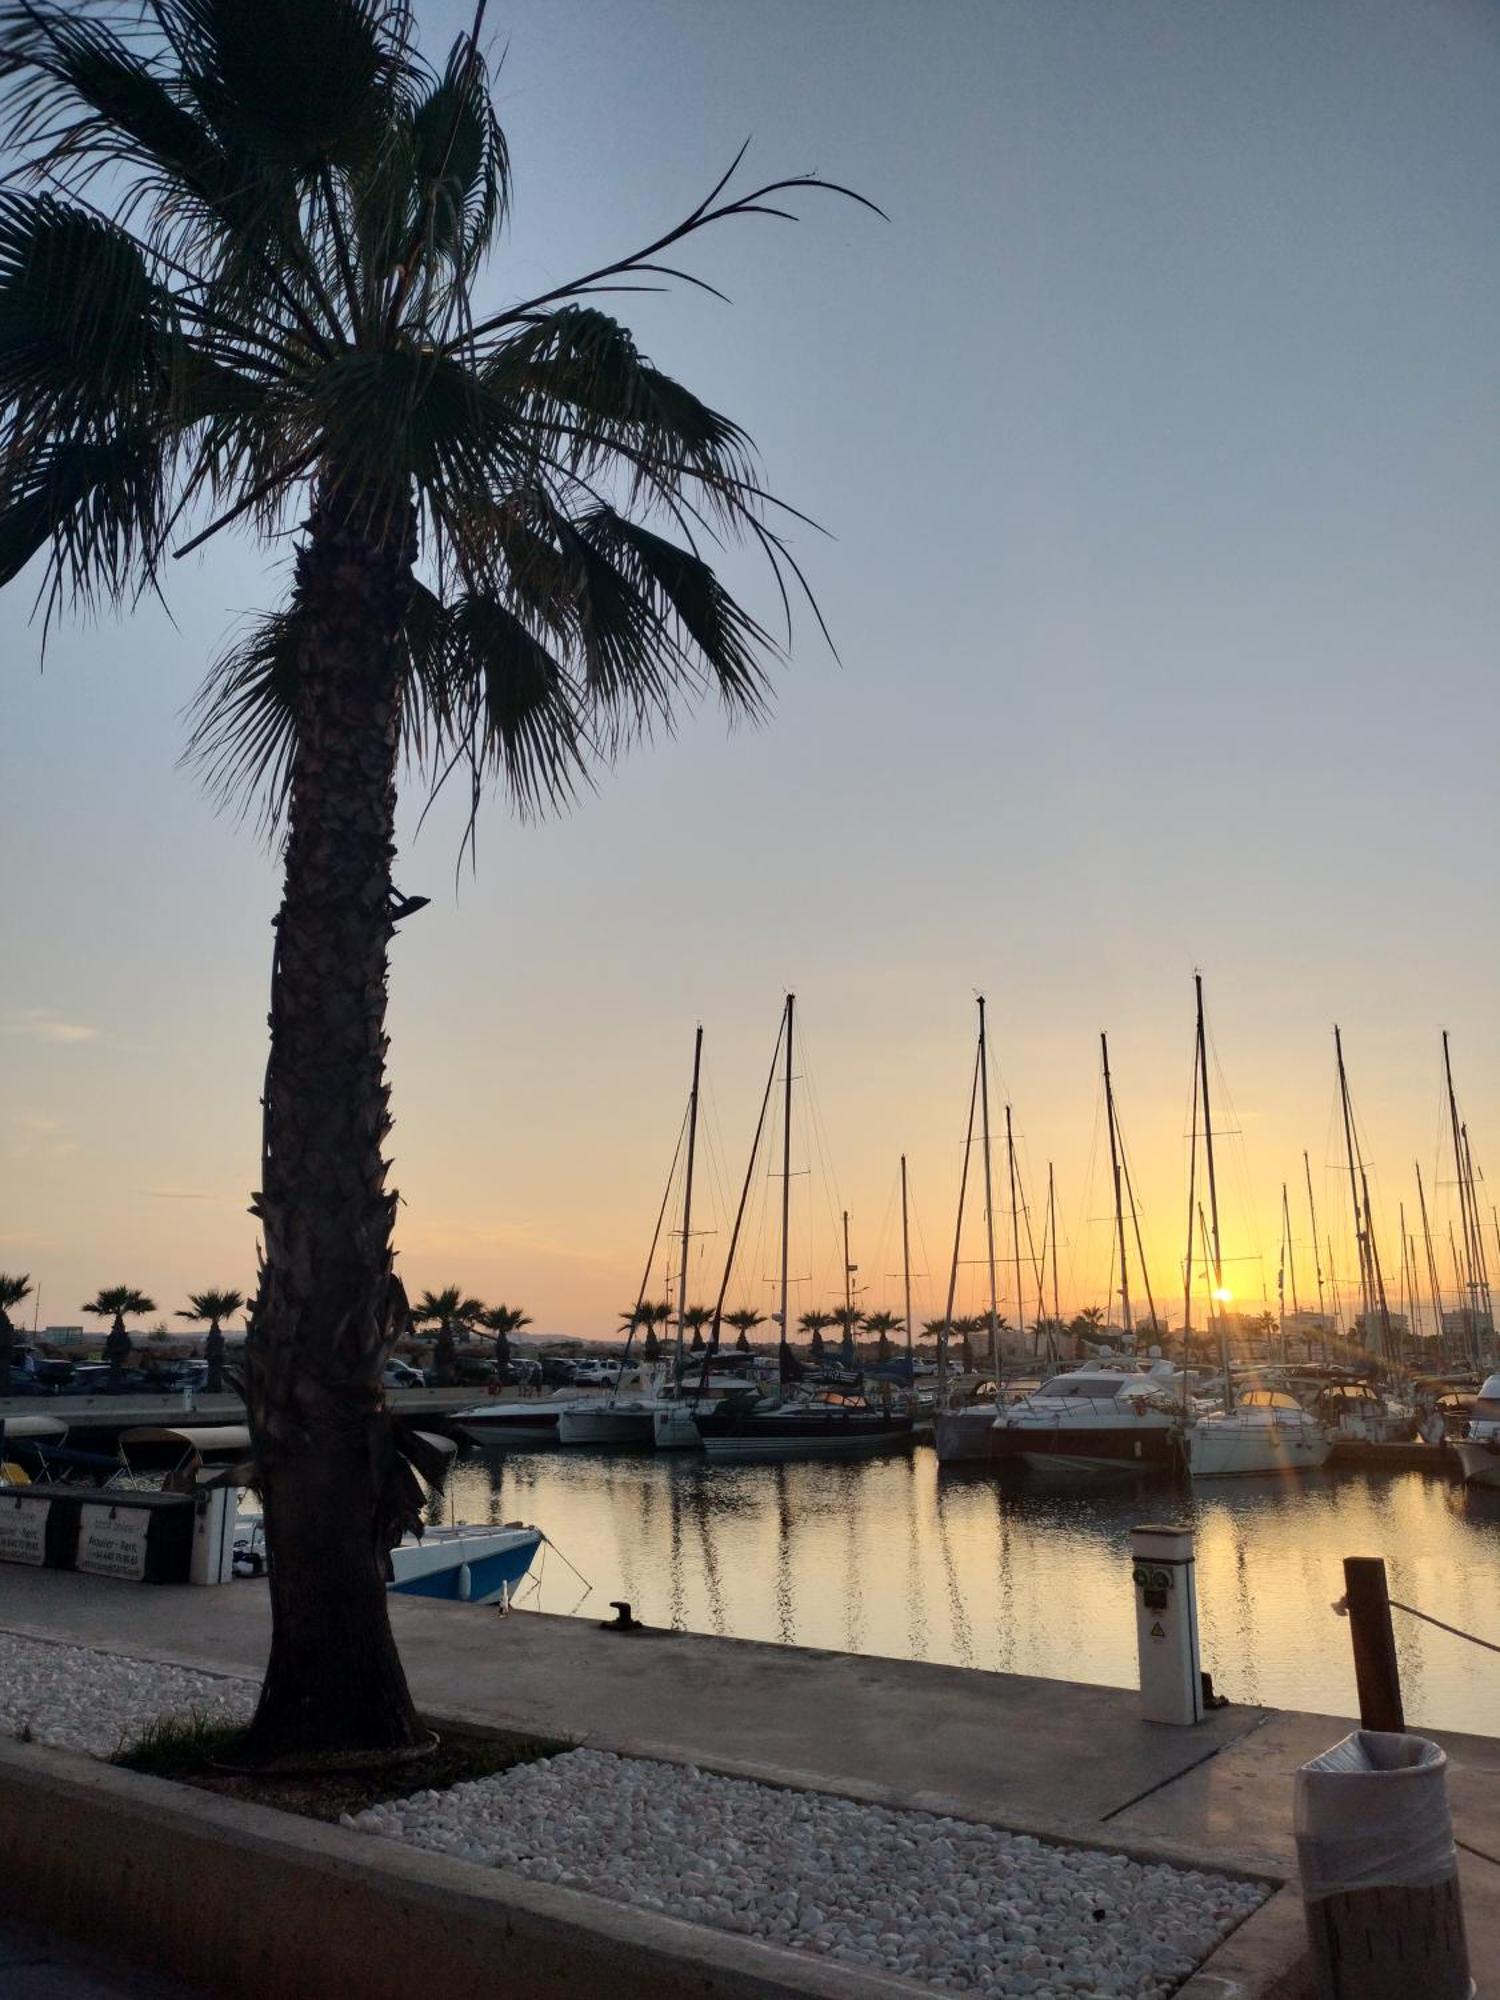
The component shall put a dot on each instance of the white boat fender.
(465, 1583)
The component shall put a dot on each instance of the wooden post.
(1376, 1672)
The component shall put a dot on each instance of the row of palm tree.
(453, 1311)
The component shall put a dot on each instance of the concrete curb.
(243, 1901)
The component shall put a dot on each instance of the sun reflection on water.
(892, 1556)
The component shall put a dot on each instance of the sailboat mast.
(687, 1201)
(1052, 1231)
(1213, 1189)
(1015, 1216)
(1312, 1216)
(1481, 1263)
(1466, 1278)
(1187, 1268)
(1114, 1167)
(1432, 1270)
(958, 1232)
(906, 1271)
(1366, 1289)
(786, 1199)
(989, 1204)
(848, 1291)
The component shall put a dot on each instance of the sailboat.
(962, 1432)
(630, 1421)
(834, 1423)
(1261, 1430)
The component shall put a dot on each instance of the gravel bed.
(959, 1907)
(71, 1698)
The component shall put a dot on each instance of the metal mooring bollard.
(1166, 1624)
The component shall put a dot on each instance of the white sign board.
(112, 1541)
(23, 1530)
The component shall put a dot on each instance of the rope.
(1427, 1618)
(1341, 1610)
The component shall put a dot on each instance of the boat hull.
(1230, 1451)
(960, 1436)
(520, 1429)
(606, 1424)
(806, 1444)
(1480, 1460)
(674, 1428)
(1094, 1448)
(467, 1566)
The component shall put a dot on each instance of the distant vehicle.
(401, 1375)
(558, 1372)
(596, 1374)
(182, 1375)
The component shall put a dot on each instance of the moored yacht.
(1479, 1451)
(835, 1423)
(1095, 1419)
(1267, 1431)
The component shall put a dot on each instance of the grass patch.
(192, 1748)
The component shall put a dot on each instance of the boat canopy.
(33, 1427)
(1102, 1387)
(1266, 1399)
(155, 1445)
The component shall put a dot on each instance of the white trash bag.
(1372, 1813)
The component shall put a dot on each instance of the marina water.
(891, 1556)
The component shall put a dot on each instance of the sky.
(1156, 438)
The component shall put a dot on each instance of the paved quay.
(34, 1965)
(1053, 1758)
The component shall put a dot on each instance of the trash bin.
(1380, 1871)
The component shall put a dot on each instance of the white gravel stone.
(72, 1698)
(962, 1908)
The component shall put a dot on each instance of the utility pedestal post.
(1166, 1624)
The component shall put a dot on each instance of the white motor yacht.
(1267, 1431)
(1479, 1451)
(1096, 1419)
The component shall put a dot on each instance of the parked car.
(558, 1372)
(401, 1375)
(596, 1373)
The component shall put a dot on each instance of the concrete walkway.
(1050, 1757)
(37, 1966)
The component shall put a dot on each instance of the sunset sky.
(1157, 435)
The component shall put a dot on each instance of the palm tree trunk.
(329, 1307)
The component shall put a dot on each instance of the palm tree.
(272, 321)
(651, 1345)
(846, 1318)
(451, 1307)
(13, 1288)
(812, 1324)
(883, 1324)
(117, 1303)
(744, 1319)
(502, 1321)
(213, 1306)
(695, 1319)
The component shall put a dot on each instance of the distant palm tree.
(651, 1345)
(118, 1303)
(695, 1319)
(450, 1308)
(13, 1288)
(213, 1306)
(661, 1316)
(744, 1319)
(277, 317)
(502, 1321)
(812, 1324)
(883, 1324)
(846, 1318)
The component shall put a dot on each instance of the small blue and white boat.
(462, 1564)
(465, 1564)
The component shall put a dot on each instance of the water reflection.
(893, 1556)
